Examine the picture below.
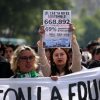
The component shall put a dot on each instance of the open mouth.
(60, 60)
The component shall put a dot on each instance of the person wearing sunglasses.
(24, 62)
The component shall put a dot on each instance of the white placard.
(56, 24)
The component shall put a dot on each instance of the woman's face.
(8, 53)
(97, 57)
(26, 61)
(59, 57)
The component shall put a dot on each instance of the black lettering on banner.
(58, 96)
(94, 84)
(71, 94)
(79, 91)
(1, 91)
(99, 85)
(9, 90)
(21, 95)
(29, 93)
(39, 93)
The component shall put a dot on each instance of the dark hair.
(2, 49)
(54, 69)
(5, 70)
(92, 43)
(96, 50)
(11, 46)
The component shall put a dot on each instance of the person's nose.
(59, 56)
(28, 60)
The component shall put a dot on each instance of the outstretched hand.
(54, 78)
(72, 27)
(40, 43)
(41, 30)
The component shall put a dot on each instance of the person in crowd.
(95, 62)
(91, 45)
(24, 63)
(9, 49)
(86, 58)
(2, 49)
(5, 70)
(59, 64)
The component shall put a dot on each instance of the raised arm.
(76, 55)
(45, 66)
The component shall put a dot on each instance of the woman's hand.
(41, 30)
(54, 78)
(72, 28)
(40, 43)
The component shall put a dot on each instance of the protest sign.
(56, 23)
(83, 85)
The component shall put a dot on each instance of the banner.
(83, 85)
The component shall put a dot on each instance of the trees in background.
(21, 18)
(23, 15)
(88, 28)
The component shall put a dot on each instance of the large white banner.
(84, 85)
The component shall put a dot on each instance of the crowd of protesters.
(91, 56)
(25, 61)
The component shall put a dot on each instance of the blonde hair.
(16, 54)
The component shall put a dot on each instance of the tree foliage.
(88, 28)
(23, 18)
(23, 15)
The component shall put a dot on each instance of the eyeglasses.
(25, 58)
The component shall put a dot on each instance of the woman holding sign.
(59, 63)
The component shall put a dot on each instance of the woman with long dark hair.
(59, 60)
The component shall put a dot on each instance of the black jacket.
(94, 64)
(5, 71)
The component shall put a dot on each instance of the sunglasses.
(26, 58)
